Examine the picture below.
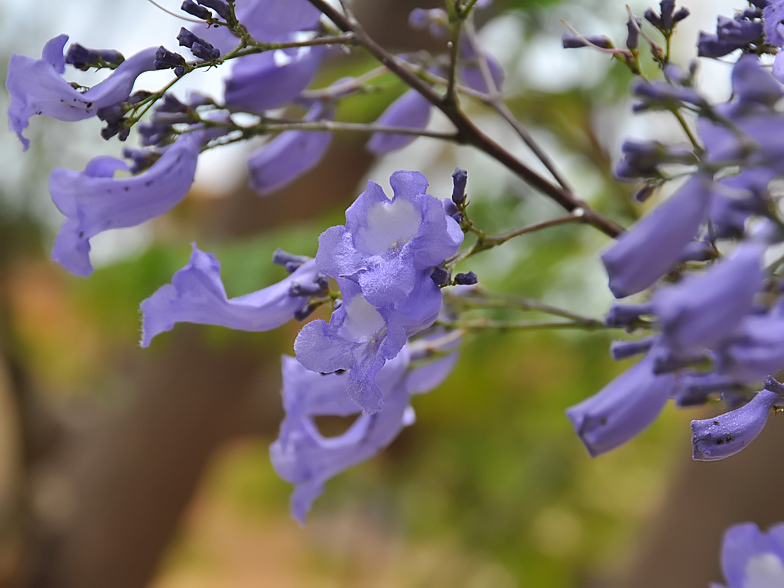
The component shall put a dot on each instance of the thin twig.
(174, 14)
(484, 242)
(486, 324)
(468, 132)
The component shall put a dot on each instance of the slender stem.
(692, 139)
(174, 14)
(484, 242)
(483, 299)
(486, 324)
(454, 47)
(468, 132)
(467, 8)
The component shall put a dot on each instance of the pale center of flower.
(363, 321)
(764, 571)
(390, 225)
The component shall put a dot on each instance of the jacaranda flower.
(196, 295)
(411, 111)
(271, 79)
(622, 409)
(727, 434)
(95, 201)
(36, 87)
(654, 245)
(289, 155)
(752, 559)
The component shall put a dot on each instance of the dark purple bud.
(666, 9)
(440, 276)
(83, 58)
(459, 180)
(466, 279)
(198, 46)
(645, 192)
(153, 134)
(112, 114)
(633, 32)
(304, 312)
(653, 18)
(141, 158)
(165, 59)
(286, 259)
(171, 104)
(680, 14)
(625, 315)
(316, 288)
(727, 434)
(191, 7)
(221, 7)
(760, 3)
(575, 42)
(625, 349)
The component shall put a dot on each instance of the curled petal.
(727, 434)
(303, 456)
(288, 156)
(94, 201)
(196, 295)
(36, 87)
(412, 111)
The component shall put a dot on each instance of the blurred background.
(124, 467)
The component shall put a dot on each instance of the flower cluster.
(698, 260)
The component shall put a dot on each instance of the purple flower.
(652, 247)
(94, 201)
(273, 78)
(622, 409)
(412, 111)
(727, 434)
(358, 337)
(303, 456)
(390, 246)
(36, 87)
(289, 155)
(772, 15)
(196, 295)
(702, 310)
(752, 559)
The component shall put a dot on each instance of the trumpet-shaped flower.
(622, 409)
(727, 434)
(273, 78)
(410, 110)
(289, 155)
(94, 201)
(36, 87)
(654, 245)
(196, 295)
